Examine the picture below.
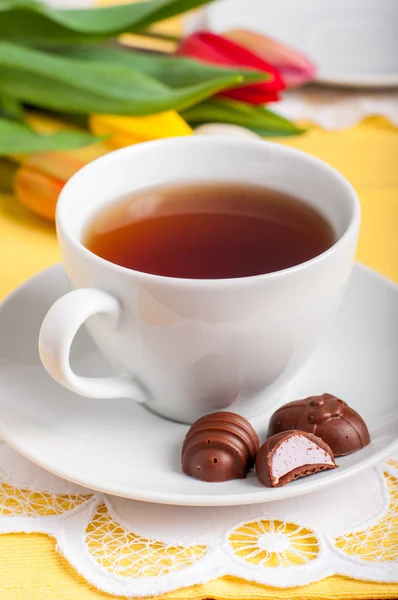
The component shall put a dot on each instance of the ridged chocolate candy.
(219, 447)
(326, 416)
(292, 454)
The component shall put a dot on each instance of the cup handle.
(57, 332)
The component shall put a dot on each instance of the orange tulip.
(62, 164)
(43, 175)
(37, 191)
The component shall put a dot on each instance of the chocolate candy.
(219, 447)
(290, 455)
(326, 416)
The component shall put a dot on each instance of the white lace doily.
(125, 547)
(335, 109)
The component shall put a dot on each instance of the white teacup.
(186, 346)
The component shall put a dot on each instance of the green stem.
(8, 169)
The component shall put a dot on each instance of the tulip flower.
(294, 67)
(37, 192)
(41, 177)
(216, 49)
(124, 131)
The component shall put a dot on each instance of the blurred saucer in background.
(353, 42)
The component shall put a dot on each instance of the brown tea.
(209, 231)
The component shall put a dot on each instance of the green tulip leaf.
(256, 118)
(81, 86)
(171, 70)
(32, 23)
(16, 137)
(10, 108)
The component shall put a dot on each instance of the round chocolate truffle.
(219, 447)
(292, 454)
(327, 417)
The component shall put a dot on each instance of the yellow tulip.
(124, 131)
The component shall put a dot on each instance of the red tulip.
(294, 67)
(216, 49)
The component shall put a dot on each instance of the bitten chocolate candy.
(326, 416)
(290, 455)
(219, 447)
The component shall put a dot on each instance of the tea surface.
(208, 231)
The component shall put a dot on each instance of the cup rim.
(200, 283)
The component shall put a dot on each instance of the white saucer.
(353, 42)
(121, 448)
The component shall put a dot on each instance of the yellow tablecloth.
(30, 567)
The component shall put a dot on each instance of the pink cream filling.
(297, 451)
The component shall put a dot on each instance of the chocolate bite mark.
(295, 452)
(290, 455)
